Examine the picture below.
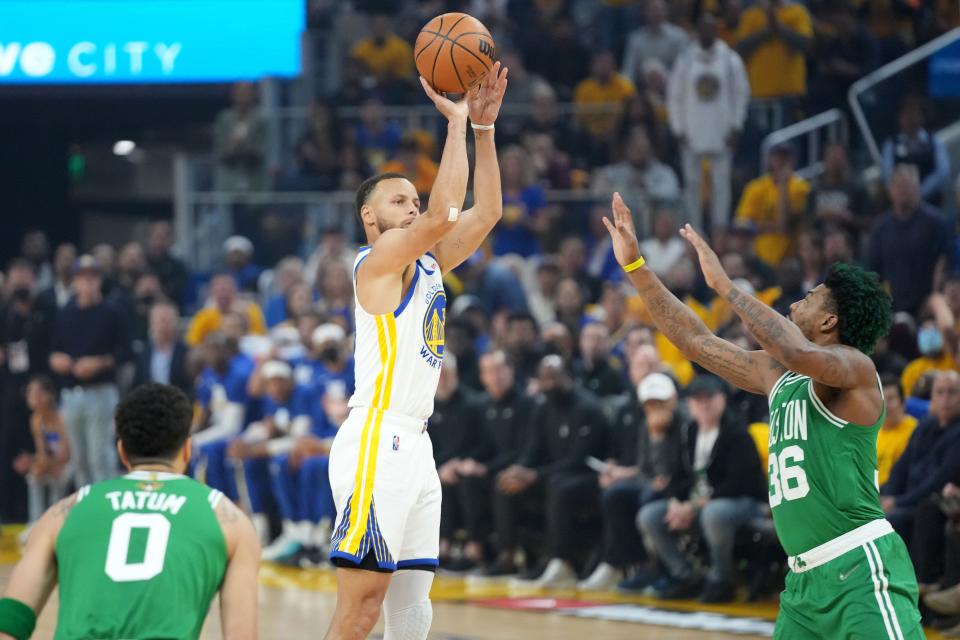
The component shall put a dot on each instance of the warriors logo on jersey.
(433, 333)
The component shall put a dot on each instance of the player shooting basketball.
(382, 473)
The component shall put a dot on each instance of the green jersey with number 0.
(139, 557)
(822, 470)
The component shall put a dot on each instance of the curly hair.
(153, 421)
(861, 304)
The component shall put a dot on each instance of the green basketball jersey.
(140, 556)
(822, 470)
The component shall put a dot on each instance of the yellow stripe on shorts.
(370, 436)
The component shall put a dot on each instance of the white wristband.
(481, 127)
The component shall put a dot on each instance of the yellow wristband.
(633, 266)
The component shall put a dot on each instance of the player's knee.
(410, 623)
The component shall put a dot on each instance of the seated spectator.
(545, 118)
(776, 203)
(894, 435)
(496, 287)
(335, 291)
(35, 249)
(601, 97)
(642, 469)
(301, 481)
(316, 151)
(567, 426)
(932, 456)
(721, 490)
(171, 271)
(910, 246)
(641, 179)
(888, 361)
(238, 258)
(289, 413)
(730, 12)
(523, 201)
(287, 274)
(384, 54)
(838, 198)
(665, 247)
(773, 39)
(596, 370)
(741, 238)
(375, 136)
(558, 341)
(916, 146)
(838, 246)
(936, 345)
(644, 112)
(59, 293)
(414, 163)
(331, 361)
(240, 143)
(223, 300)
(810, 253)
(456, 432)
(51, 471)
(333, 247)
(164, 356)
(571, 305)
(522, 346)
(707, 102)
(222, 407)
(657, 39)
(572, 261)
(789, 286)
(542, 291)
(147, 291)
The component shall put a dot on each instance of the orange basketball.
(453, 52)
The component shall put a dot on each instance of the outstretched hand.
(713, 271)
(626, 247)
(485, 98)
(453, 111)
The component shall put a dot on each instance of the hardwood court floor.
(297, 604)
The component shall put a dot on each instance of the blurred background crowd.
(571, 438)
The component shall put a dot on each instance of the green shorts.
(867, 593)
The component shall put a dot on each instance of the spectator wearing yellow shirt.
(385, 55)
(772, 37)
(936, 354)
(895, 433)
(601, 97)
(776, 202)
(223, 300)
(413, 163)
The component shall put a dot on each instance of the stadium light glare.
(124, 147)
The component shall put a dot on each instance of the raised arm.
(395, 249)
(484, 101)
(752, 371)
(835, 366)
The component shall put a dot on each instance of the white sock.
(262, 526)
(302, 530)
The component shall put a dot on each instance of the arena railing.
(816, 132)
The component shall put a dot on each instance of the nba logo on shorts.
(396, 443)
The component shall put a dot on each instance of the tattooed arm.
(753, 371)
(835, 366)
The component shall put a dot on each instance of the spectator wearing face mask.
(936, 353)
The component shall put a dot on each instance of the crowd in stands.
(575, 445)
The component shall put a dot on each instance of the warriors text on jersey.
(140, 557)
(400, 353)
(822, 469)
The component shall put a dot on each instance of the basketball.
(453, 52)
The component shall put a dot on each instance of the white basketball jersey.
(397, 355)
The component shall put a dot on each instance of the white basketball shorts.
(387, 492)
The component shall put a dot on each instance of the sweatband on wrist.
(481, 127)
(633, 266)
(16, 619)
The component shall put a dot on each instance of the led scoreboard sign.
(148, 41)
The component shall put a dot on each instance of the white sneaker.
(284, 545)
(558, 575)
(604, 578)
